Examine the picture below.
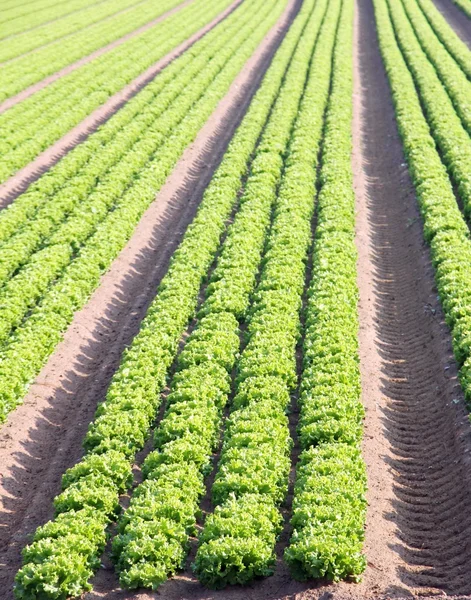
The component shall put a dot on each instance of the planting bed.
(235, 306)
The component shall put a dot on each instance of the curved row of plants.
(444, 226)
(68, 33)
(448, 132)
(34, 340)
(464, 5)
(66, 551)
(329, 505)
(153, 533)
(32, 125)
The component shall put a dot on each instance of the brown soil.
(456, 18)
(42, 437)
(417, 435)
(32, 89)
(19, 182)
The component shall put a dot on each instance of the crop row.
(91, 16)
(132, 401)
(451, 75)
(20, 73)
(20, 17)
(69, 216)
(453, 142)
(238, 540)
(455, 46)
(445, 125)
(74, 176)
(465, 6)
(32, 343)
(329, 505)
(444, 226)
(187, 436)
(34, 124)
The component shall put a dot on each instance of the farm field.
(235, 299)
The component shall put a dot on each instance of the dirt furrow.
(32, 89)
(417, 435)
(456, 18)
(19, 182)
(42, 438)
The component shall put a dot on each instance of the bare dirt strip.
(42, 438)
(32, 89)
(19, 182)
(456, 18)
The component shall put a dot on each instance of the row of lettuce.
(25, 70)
(464, 5)
(32, 125)
(64, 247)
(436, 92)
(132, 401)
(447, 108)
(187, 436)
(85, 30)
(445, 228)
(329, 506)
(244, 345)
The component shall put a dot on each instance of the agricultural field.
(235, 299)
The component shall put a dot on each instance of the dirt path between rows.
(417, 435)
(36, 87)
(19, 182)
(456, 18)
(42, 438)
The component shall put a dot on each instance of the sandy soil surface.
(32, 89)
(417, 442)
(42, 438)
(456, 18)
(417, 435)
(19, 182)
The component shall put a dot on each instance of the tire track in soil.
(456, 19)
(36, 87)
(417, 435)
(43, 436)
(20, 181)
